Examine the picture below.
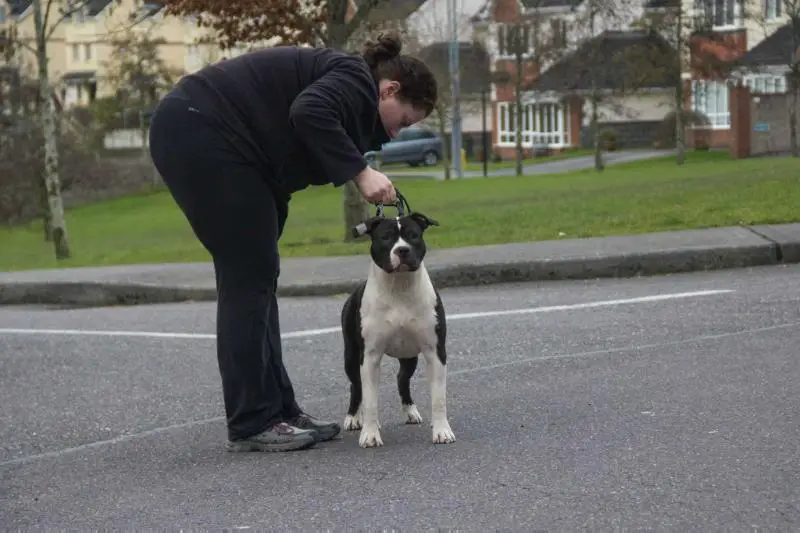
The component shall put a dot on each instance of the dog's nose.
(402, 251)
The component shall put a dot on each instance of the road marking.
(54, 454)
(325, 331)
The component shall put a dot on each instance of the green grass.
(709, 190)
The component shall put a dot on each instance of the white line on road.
(54, 454)
(324, 331)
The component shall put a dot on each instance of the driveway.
(554, 167)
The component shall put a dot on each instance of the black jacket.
(305, 116)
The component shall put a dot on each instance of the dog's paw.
(412, 414)
(370, 437)
(352, 423)
(442, 434)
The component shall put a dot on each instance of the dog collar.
(401, 205)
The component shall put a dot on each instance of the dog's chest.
(400, 327)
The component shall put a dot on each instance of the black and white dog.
(396, 312)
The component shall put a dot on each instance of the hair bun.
(385, 47)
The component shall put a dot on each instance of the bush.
(608, 140)
(665, 135)
(84, 176)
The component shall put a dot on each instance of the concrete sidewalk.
(622, 256)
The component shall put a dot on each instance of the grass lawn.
(656, 195)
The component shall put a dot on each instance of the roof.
(94, 7)
(661, 4)
(777, 49)
(393, 9)
(474, 64)
(485, 11)
(615, 59)
(18, 6)
(550, 4)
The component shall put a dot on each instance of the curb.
(776, 245)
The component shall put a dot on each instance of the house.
(554, 115)
(80, 46)
(632, 72)
(731, 41)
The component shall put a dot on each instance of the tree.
(429, 40)
(594, 20)
(309, 22)
(46, 20)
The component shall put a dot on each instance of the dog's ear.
(423, 221)
(366, 227)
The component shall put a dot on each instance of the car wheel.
(431, 158)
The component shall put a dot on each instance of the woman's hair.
(417, 83)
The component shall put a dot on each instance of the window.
(87, 51)
(2, 13)
(413, 134)
(715, 14)
(507, 35)
(558, 33)
(543, 124)
(711, 99)
(76, 52)
(772, 9)
(765, 83)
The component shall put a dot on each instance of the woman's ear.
(389, 88)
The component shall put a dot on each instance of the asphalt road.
(553, 167)
(664, 404)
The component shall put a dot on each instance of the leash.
(401, 205)
(401, 201)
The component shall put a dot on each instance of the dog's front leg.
(437, 380)
(370, 436)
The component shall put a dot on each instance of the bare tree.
(534, 41)
(46, 20)
(592, 21)
(429, 40)
(695, 48)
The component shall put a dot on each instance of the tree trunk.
(595, 102)
(793, 104)
(518, 123)
(441, 115)
(680, 128)
(598, 149)
(47, 113)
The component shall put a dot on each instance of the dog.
(399, 313)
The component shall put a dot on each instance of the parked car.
(415, 146)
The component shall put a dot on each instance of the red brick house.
(731, 41)
(555, 114)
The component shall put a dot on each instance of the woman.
(232, 142)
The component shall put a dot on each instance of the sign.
(761, 127)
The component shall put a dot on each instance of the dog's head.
(397, 243)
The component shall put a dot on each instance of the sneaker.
(281, 437)
(324, 430)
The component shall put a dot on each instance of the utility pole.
(455, 129)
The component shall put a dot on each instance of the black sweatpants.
(239, 220)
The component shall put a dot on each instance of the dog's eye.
(413, 235)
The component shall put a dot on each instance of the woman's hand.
(375, 187)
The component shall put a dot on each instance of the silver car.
(415, 146)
